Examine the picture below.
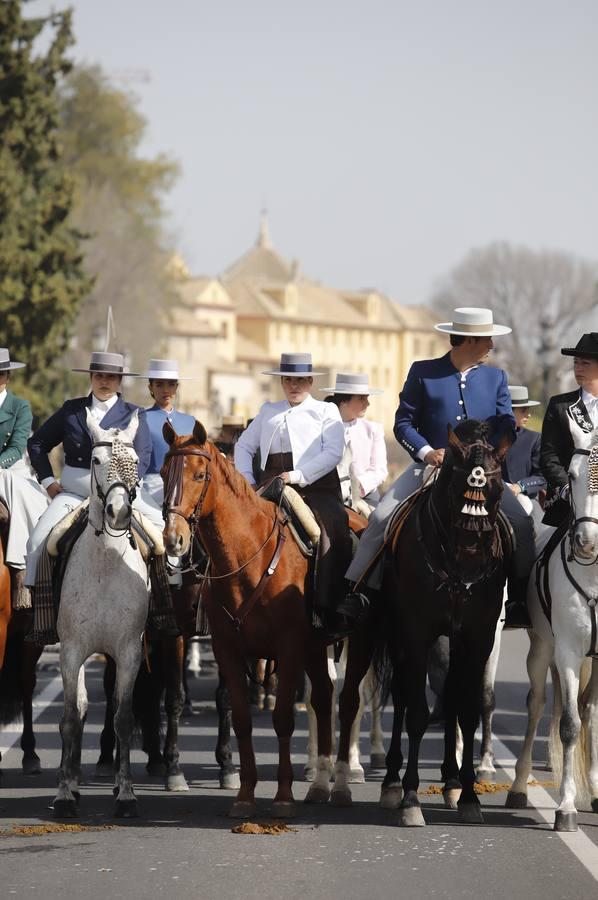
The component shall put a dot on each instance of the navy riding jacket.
(435, 395)
(68, 427)
(522, 463)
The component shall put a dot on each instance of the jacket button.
(79, 459)
(460, 403)
(458, 418)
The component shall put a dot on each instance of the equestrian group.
(282, 530)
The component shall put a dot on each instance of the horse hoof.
(357, 776)
(229, 780)
(187, 711)
(310, 773)
(242, 809)
(31, 765)
(341, 797)
(126, 809)
(483, 775)
(377, 761)
(65, 809)
(156, 769)
(391, 797)
(565, 821)
(451, 797)
(176, 783)
(411, 817)
(284, 809)
(516, 800)
(271, 702)
(595, 805)
(104, 770)
(317, 794)
(470, 814)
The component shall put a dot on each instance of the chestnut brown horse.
(255, 606)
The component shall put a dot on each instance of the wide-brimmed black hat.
(587, 347)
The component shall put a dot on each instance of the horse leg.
(321, 699)
(174, 651)
(283, 719)
(229, 777)
(127, 668)
(486, 771)
(590, 716)
(470, 661)
(233, 672)
(71, 731)
(311, 765)
(568, 665)
(453, 744)
(270, 688)
(31, 654)
(538, 660)
(412, 674)
(350, 711)
(187, 702)
(147, 704)
(391, 792)
(105, 764)
(377, 754)
(438, 663)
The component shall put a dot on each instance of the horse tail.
(382, 663)
(581, 755)
(11, 683)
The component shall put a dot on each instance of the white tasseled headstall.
(593, 470)
(122, 466)
(474, 505)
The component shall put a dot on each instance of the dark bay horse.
(445, 576)
(255, 603)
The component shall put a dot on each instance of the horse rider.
(521, 466)
(163, 381)
(23, 497)
(68, 427)
(366, 467)
(231, 428)
(556, 447)
(440, 392)
(301, 440)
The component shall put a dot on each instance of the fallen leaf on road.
(262, 828)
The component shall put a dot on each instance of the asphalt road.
(182, 845)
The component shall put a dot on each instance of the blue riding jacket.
(68, 427)
(436, 395)
(156, 417)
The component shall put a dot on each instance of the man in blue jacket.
(521, 466)
(438, 393)
(68, 427)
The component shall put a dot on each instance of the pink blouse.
(368, 452)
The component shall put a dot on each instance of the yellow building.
(227, 330)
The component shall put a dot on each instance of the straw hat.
(298, 364)
(472, 321)
(351, 383)
(108, 363)
(164, 369)
(519, 396)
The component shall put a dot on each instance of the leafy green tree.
(42, 277)
(119, 203)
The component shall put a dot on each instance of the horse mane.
(235, 481)
(472, 430)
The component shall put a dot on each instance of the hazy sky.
(386, 138)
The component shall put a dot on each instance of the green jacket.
(15, 428)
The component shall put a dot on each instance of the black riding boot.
(516, 614)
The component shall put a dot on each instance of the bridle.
(574, 521)
(129, 486)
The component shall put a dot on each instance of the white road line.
(12, 733)
(578, 843)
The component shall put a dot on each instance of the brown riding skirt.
(334, 551)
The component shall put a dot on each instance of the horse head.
(583, 493)
(187, 481)
(114, 473)
(470, 487)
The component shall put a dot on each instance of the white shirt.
(2, 397)
(99, 408)
(591, 404)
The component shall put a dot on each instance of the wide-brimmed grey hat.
(108, 363)
(298, 364)
(519, 396)
(472, 321)
(166, 369)
(5, 361)
(352, 383)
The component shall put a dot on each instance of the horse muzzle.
(177, 536)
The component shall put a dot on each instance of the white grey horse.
(103, 609)
(568, 641)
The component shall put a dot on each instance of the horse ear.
(131, 430)
(168, 433)
(93, 427)
(199, 433)
(504, 445)
(454, 442)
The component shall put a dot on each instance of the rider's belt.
(276, 464)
